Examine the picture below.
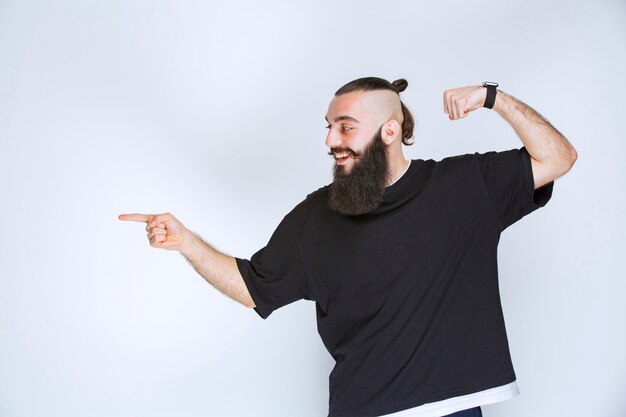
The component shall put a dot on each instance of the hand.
(458, 102)
(164, 230)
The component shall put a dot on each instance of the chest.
(365, 262)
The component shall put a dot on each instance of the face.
(361, 167)
(351, 126)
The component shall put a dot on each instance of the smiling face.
(356, 123)
(352, 122)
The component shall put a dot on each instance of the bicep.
(241, 289)
(546, 172)
(542, 173)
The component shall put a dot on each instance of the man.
(399, 255)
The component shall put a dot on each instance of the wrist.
(190, 244)
(490, 94)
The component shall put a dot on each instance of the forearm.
(218, 269)
(543, 141)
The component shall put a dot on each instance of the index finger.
(135, 217)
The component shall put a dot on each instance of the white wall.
(214, 111)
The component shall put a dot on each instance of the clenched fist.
(164, 230)
(458, 102)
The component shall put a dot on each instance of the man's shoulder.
(471, 165)
(470, 158)
(319, 194)
(309, 211)
(458, 163)
(313, 202)
(457, 159)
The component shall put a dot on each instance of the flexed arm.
(220, 270)
(551, 153)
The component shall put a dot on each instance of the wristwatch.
(491, 93)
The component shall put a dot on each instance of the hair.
(398, 86)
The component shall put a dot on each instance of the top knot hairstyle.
(398, 86)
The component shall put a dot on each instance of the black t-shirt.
(407, 296)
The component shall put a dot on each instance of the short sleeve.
(508, 178)
(275, 275)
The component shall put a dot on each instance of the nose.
(332, 139)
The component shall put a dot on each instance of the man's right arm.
(219, 269)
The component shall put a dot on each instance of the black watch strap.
(491, 94)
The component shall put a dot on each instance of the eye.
(346, 128)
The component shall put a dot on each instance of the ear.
(390, 131)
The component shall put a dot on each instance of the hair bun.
(400, 85)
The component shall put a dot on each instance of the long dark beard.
(363, 188)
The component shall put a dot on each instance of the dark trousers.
(472, 412)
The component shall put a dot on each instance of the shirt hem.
(456, 402)
(464, 402)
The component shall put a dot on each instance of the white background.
(215, 112)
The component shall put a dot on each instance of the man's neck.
(398, 169)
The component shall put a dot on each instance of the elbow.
(571, 158)
(248, 302)
(561, 165)
(567, 158)
(574, 157)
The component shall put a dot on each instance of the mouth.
(342, 157)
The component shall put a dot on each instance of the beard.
(362, 189)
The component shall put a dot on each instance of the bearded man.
(400, 256)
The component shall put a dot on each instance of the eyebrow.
(343, 117)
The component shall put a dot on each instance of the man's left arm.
(551, 153)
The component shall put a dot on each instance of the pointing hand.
(164, 230)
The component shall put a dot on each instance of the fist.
(458, 102)
(164, 230)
